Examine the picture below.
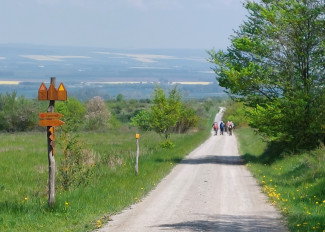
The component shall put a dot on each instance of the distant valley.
(88, 72)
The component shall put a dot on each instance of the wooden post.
(137, 136)
(50, 146)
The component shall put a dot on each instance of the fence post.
(137, 136)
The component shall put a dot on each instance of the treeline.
(18, 113)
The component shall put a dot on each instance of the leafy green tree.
(187, 119)
(166, 115)
(163, 115)
(142, 120)
(74, 113)
(165, 111)
(276, 65)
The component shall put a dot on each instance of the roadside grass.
(112, 185)
(294, 183)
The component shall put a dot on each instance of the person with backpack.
(227, 126)
(215, 127)
(230, 127)
(222, 127)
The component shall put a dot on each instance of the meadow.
(109, 185)
(293, 182)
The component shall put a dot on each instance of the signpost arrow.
(49, 115)
(50, 122)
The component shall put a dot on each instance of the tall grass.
(111, 186)
(295, 183)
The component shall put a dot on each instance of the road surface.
(210, 190)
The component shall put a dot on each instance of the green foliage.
(166, 115)
(294, 183)
(17, 113)
(165, 111)
(77, 162)
(124, 110)
(74, 113)
(142, 120)
(187, 119)
(167, 144)
(275, 65)
(236, 112)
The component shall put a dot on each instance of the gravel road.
(210, 190)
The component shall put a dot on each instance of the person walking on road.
(222, 127)
(215, 127)
(230, 127)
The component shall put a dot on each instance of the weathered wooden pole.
(50, 149)
(137, 136)
(50, 120)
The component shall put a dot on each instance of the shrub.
(17, 113)
(97, 116)
(76, 165)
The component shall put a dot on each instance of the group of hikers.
(227, 127)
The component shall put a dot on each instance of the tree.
(74, 113)
(165, 111)
(166, 115)
(276, 66)
(187, 119)
(142, 120)
(97, 114)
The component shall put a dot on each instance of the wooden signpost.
(50, 119)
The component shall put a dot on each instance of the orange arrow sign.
(49, 115)
(50, 122)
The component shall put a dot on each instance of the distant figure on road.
(215, 127)
(222, 127)
(226, 127)
(230, 127)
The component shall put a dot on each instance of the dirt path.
(210, 190)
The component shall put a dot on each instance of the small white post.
(137, 136)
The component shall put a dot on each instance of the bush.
(76, 165)
(17, 113)
(97, 116)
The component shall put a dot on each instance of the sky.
(199, 24)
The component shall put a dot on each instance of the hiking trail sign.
(50, 119)
(52, 93)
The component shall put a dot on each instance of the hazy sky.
(204, 24)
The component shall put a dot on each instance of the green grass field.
(111, 185)
(294, 183)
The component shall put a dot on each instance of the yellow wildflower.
(99, 223)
